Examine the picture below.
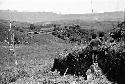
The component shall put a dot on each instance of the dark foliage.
(77, 63)
(74, 33)
(36, 33)
(119, 32)
(101, 34)
(32, 27)
(116, 35)
(111, 63)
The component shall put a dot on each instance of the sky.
(63, 6)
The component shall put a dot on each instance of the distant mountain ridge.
(33, 17)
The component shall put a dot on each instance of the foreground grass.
(32, 59)
(34, 65)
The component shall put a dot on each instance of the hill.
(50, 16)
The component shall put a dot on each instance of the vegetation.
(36, 53)
(4, 33)
(74, 33)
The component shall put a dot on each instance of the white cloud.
(63, 6)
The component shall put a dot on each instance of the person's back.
(101, 37)
(95, 43)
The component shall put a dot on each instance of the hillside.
(50, 16)
(37, 58)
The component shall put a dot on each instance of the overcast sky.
(63, 6)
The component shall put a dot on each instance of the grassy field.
(34, 65)
(35, 61)
(36, 57)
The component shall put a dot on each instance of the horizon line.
(58, 12)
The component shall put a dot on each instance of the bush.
(77, 62)
(73, 32)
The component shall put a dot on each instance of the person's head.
(94, 36)
(101, 34)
